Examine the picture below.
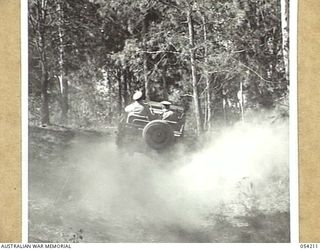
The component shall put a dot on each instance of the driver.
(167, 114)
(138, 107)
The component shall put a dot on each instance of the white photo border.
(293, 152)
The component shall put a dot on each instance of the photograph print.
(158, 121)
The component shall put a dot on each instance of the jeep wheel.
(158, 134)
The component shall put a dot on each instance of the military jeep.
(139, 132)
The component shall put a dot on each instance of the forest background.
(223, 60)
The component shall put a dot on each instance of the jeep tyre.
(158, 135)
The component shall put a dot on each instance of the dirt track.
(81, 189)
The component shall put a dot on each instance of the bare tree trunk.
(146, 79)
(209, 111)
(119, 91)
(205, 108)
(63, 86)
(206, 74)
(129, 86)
(285, 34)
(62, 79)
(109, 115)
(164, 83)
(45, 119)
(125, 88)
(225, 105)
(145, 61)
(194, 72)
(241, 101)
(125, 83)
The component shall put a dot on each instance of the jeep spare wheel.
(158, 134)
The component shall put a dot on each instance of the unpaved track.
(75, 195)
(55, 185)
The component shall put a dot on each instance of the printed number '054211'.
(308, 245)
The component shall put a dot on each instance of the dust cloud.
(241, 170)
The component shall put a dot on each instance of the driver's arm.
(149, 112)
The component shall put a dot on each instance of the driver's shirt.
(167, 114)
(139, 108)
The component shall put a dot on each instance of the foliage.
(124, 46)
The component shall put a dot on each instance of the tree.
(63, 82)
(39, 18)
(285, 35)
(193, 68)
(207, 50)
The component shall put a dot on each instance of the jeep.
(156, 134)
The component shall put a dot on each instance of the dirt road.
(82, 189)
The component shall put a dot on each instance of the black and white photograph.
(159, 121)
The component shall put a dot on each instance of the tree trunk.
(205, 113)
(212, 100)
(125, 83)
(145, 60)
(109, 114)
(63, 86)
(241, 101)
(129, 79)
(119, 91)
(44, 92)
(206, 75)
(225, 106)
(164, 83)
(62, 79)
(45, 119)
(194, 73)
(285, 34)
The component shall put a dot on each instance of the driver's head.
(166, 104)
